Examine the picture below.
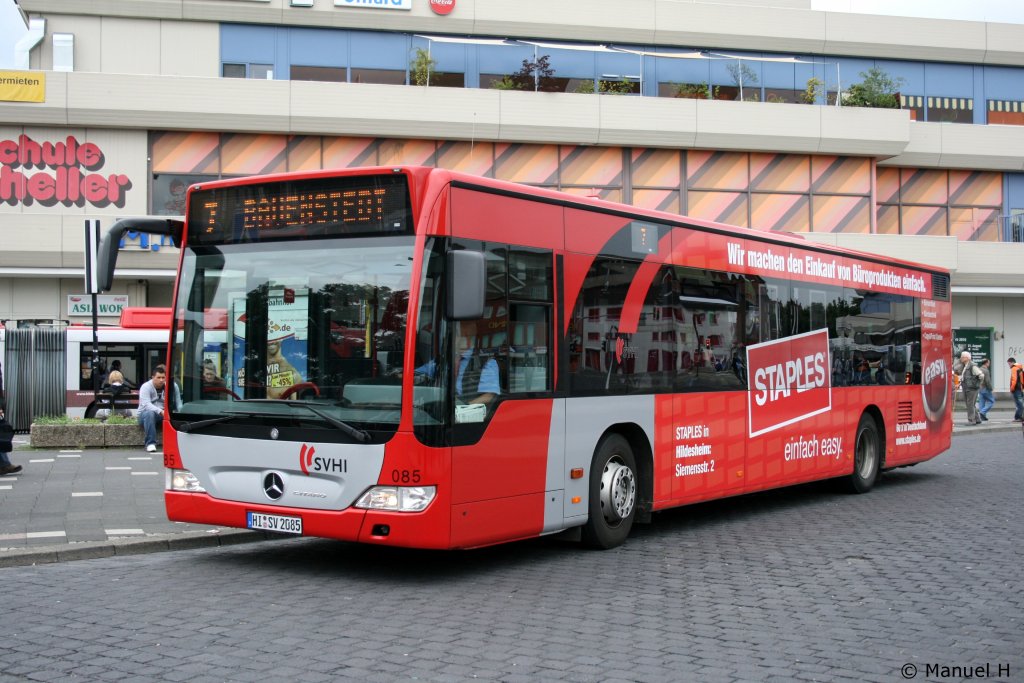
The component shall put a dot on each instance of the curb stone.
(90, 550)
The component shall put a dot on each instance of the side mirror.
(107, 253)
(466, 283)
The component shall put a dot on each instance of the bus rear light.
(183, 480)
(397, 498)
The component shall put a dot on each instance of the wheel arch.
(643, 453)
(876, 414)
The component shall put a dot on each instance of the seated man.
(477, 378)
(151, 406)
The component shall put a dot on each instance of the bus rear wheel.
(613, 494)
(867, 456)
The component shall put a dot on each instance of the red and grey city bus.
(417, 357)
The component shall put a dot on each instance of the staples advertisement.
(790, 380)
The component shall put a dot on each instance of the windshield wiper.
(359, 435)
(188, 427)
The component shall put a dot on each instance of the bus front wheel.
(613, 494)
(867, 456)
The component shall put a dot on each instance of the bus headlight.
(183, 480)
(397, 498)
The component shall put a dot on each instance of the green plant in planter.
(693, 91)
(65, 420)
(813, 91)
(421, 67)
(878, 90)
(623, 87)
(506, 83)
(585, 87)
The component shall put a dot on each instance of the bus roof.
(146, 318)
(424, 178)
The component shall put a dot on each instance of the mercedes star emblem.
(273, 486)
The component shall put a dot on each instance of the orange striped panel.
(350, 152)
(304, 153)
(716, 170)
(888, 220)
(536, 164)
(410, 152)
(923, 220)
(611, 194)
(468, 157)
(974, 224)
(780, 172)
(655, 168)
(253, 154)
(841, 175)
(723, 207)
(887, 185)
(186, 152)
(978, 188)
(923, 186)
(590, 165)
(660, 200)
(780, 212)
(842, 214)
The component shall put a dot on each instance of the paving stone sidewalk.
(72, 504)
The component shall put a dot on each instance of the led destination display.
(310, 208)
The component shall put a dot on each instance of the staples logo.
(308, 461)
(789, 380)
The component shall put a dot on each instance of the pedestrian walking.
(986, 399)
(6, 446)
(970, 381)
(1017, 387)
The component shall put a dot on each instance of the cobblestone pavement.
(799, 584)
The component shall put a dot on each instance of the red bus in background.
(429, 359)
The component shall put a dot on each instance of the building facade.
(738, 113)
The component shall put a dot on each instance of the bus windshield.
(264, 331)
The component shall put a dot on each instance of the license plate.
(278, 523)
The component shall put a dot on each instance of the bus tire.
(867, 456)
(614, 490)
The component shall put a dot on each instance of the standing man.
(1017, 387)
(970, 381)
(985, 397)
(151, 405)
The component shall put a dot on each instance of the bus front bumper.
(427, 529)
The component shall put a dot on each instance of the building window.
(447, 79)
(260, 71)
(1006, 112)
(950, 110)
(330, 74)
(618, 85)
(233, 70)
(686, 91)
(914, 104)
(783, 95)
(169, 192)
(386, 76)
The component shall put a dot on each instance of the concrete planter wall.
(86, 436)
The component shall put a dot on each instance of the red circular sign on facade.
(442, 6)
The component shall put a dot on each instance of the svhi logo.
(310, 462)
